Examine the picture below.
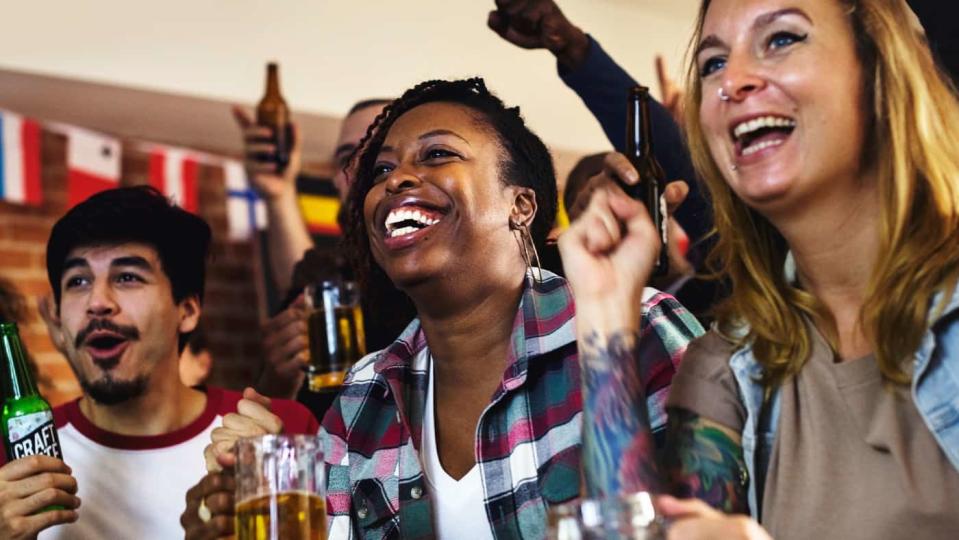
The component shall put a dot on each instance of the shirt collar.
(544, 322)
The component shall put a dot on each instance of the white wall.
(333, 52)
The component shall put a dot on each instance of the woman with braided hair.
(469, 424)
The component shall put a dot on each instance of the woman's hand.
(209, 507)
(252, 418)
(695, 520)
(608, 255)
(611, 247)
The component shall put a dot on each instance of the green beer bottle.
(28, 427)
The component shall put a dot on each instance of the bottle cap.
(8, 328)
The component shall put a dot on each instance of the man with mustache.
(127, 272)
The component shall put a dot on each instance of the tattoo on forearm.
(618, 451)
(703, 459)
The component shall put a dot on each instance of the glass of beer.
(630, 516)
(280, 491)
(336, 337)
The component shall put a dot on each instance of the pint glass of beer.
(280, 492)
(336, 337)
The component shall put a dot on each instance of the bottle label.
(33, 434)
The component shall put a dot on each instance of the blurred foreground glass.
(280, 491)
(336, 336)
(629, 517)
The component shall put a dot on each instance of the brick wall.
(232, 306)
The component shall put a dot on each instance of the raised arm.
(586, 68)
(287, 236)
(609, 253)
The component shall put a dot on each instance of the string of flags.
(20, 160)
(94, 165)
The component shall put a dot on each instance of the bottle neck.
(645, 129)
(638, 131)
(17, 381)
(272, 80)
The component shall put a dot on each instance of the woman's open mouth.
(752, 136)
(406, 224)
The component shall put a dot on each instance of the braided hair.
(525, 161)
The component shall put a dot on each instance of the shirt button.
(416, 492)
(362, 512)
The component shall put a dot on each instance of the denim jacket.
(935, 391)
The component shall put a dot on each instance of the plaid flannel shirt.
(528, 445)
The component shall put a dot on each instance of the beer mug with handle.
(280, 491)
(336, 336)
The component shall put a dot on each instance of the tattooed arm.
(608, 254)
(618, 446)
(704, 460)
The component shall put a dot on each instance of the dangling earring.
(526, 242)
(532, 245)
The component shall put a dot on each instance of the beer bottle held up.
(28, 427)
(272, 112)
(652, 177)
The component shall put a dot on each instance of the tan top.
(852, 458)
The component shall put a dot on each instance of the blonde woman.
(825, 401)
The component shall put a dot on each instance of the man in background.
(292, 254)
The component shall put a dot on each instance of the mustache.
(128, 332)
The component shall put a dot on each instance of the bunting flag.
(93, 164)
(245, 211)
(173, 172)
(19, 160)
(319, 204)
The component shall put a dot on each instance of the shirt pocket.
(559, 476)
(371, 513)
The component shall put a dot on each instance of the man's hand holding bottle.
(28, 486)
(260, 159)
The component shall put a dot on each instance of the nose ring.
(722, 95)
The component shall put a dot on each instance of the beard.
(109, 391)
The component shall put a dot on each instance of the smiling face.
(438, 205)
(119, 320)
(782, 100)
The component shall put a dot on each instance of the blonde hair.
(914, 115)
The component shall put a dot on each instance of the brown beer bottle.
(652, 177)
(28, 427)
(272, 112)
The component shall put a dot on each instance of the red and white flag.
(174, 172)
(19, 160)
(93, 164)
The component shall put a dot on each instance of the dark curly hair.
(525, 162)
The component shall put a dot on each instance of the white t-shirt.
(135, 487)
(458, 508)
